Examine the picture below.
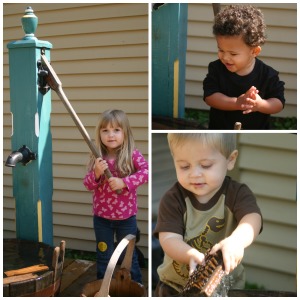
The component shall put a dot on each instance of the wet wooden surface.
(260, 293)
(77, 273)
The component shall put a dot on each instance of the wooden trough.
(32, 269)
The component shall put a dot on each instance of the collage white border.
(150, 131)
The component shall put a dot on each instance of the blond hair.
(116, 118)
(224, 142)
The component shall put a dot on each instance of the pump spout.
(13, 159)
(23, 155)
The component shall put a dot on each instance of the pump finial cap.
(29, 23)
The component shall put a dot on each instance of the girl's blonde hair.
(224, 142)
(116, 118)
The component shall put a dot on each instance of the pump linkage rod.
(56, 85)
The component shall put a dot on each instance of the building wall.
(280, 50)
(267, 164)
(100, 53)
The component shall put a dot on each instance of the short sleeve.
(171, 212)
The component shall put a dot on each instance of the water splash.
(224, 286)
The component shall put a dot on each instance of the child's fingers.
(193, 266)
(103, 164)
(215, 248)
(113, 183)
(231, 260)
(198, 260)
(248, 111)
(228, 263)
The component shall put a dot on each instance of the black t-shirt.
(219, 79)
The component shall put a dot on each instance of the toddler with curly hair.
(239, 87)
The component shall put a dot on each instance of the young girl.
(115, 214)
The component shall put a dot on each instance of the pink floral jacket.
(107, 203)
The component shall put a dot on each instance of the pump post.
(33, 182)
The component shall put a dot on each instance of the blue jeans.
(105, 231)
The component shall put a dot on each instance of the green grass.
(277, 123)
(87, 255)
(253, 286)
(79, 254)
(284, 123)
(201, 116)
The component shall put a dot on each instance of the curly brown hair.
(244, 20)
